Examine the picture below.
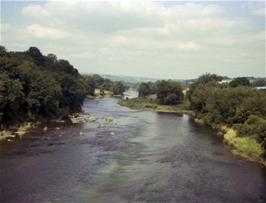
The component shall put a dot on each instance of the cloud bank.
(158, 39)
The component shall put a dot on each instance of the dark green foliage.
(36, 55)
(107, 84)
(242, 107)
(259, 83)
(96, 81)
(118, 88)
(34, 86)
(229, 105)
(144, 89)
(99, 81)
(90, 83)
(73, 91)
(171, 99)
(169, 92)
(209, 78)
(52, 58)
(240, 81)
(11, 96)
(254, 126)
(2, 49)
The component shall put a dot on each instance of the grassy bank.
(246, 147)
(149, 103)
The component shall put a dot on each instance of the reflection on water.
(141, 157)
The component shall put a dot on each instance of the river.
(139, 157)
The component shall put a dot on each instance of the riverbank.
(245, 147)
(17, 131)
(149, 104)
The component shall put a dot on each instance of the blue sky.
(155, 39)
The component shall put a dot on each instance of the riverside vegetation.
(34, 87)
(235, 109)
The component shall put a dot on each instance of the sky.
(175, 39)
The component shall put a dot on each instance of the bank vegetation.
(236, 109)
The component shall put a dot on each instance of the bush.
(254, 126)
(171, 99)
(118, 88)
(240, 81)
(169, 92)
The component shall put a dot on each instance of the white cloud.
(114, 16)
(123, 37)
(35, 11)
(39, 31)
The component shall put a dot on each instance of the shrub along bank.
(236, 109)
(240, 108)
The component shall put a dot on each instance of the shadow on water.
(143, 157)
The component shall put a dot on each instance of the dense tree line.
(146, 88)
(239, 81)
(96, 81)
(237, 105)
(34, 86)
(168, 92)
(259, 82)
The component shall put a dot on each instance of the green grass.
(246, 147)
(149, 103)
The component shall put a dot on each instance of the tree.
(99, 81)
(240, 81)
(34, 86)
(171, 99)
(11, 97)
(52, 57)
(167, 88)
(259, 83)
(2, 50)
(107, 84)
(36, 55)
(205, 79)
(90, 84)
(73, 93)
(118, 88)
(144, 89)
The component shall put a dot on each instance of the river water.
(139, 157)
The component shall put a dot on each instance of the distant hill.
(136, 79)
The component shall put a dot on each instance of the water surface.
(140, 157)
